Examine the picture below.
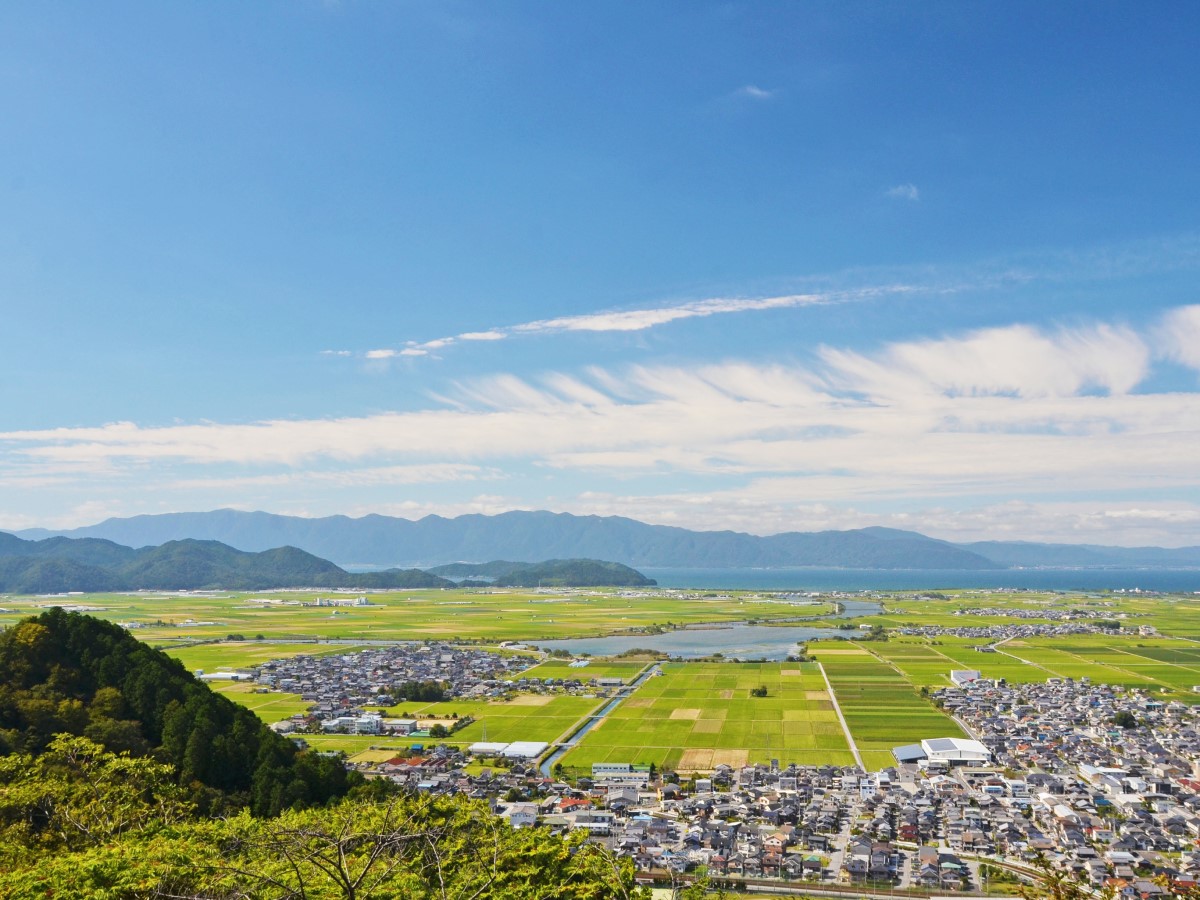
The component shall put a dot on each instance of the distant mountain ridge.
(376, 540)
(60, 564)
(382, 541)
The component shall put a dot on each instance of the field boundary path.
(575, 734)
(837, 708)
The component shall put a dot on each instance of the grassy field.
(484, 614)
(1177, 615)
(270, 707)
(883, 708)
(1166, 664)
(527, 717)
(243, 655)
(697, 715)
(558, 668)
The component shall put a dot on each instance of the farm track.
(837, 708)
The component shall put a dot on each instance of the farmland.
(491, 615)
(1166, 664)
(882, 707)
(697, 715)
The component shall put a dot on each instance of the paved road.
(845, 728)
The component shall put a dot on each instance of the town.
(1101, 782)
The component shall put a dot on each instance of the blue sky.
(762, 266)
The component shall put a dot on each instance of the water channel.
(577, 735)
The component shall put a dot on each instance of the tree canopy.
(83, 822)
(67, 673)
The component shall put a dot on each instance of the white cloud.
(754, 92)
(337, 353)
(1178, 335)
(1019, 412)
(643, 319)
(429, 473)
(903, 192)
(1018, 360)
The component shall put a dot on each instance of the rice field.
(1162, 664)
(490, 615)
(882, 707)
(699, 715)
(558, 668)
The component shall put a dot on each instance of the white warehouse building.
(947, 751)
(956, 751)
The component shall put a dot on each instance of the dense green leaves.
(406, 847)
(65, 673)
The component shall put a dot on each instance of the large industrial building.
(947, 751)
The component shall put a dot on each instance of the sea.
(1186, 581)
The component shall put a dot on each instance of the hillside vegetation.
(124, 778)
(551, 573)
(67, 673)
(56, 565)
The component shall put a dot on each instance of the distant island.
(60, 564)
(552, 573)
(375, 541)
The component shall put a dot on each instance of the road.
(845, 728)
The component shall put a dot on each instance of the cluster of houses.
(821, 824)
(1048, 774)
(341, 686)
(344, 688)
(1054, 615)
(1004, 632)
(1104, 779)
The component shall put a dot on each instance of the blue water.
(737, 641)
(815, 579)
(734, 641)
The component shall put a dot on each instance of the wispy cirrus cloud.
(633, 320)
(1100, 263)
(754, 92)
(906, 191)
(1037, 433)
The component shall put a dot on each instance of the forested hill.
(194, 797)
(70, 673)
(62, 564)
(551, 573)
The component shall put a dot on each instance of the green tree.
(418, 847)
(78, 794)
(1125, 719)
(1052, 884)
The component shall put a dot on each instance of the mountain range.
(59, 564)
(376, 541)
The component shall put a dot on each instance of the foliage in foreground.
(69, 673)
(88, 824)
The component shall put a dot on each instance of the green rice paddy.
(882, 707)
(698, 715)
